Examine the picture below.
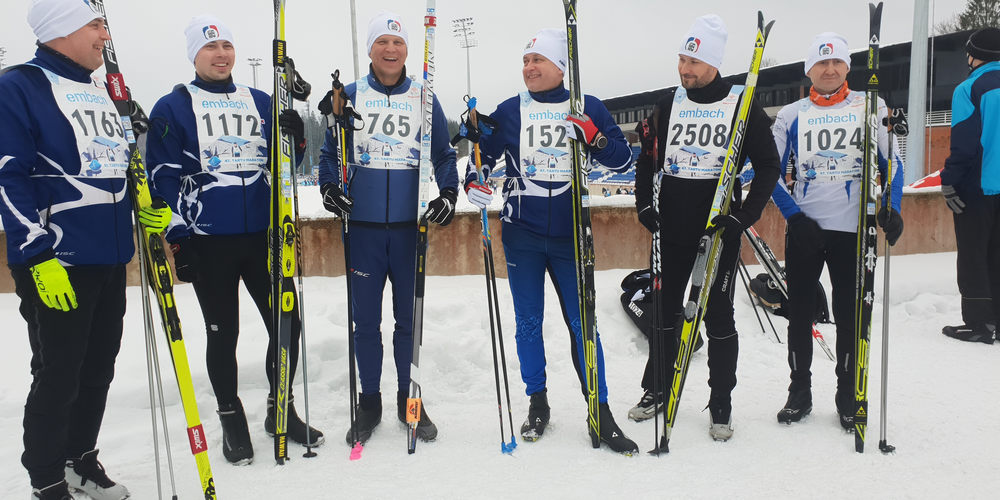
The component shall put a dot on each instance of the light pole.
(463, 30)
(254, 62)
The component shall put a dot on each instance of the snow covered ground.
(944, 397)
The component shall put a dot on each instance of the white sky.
(626, 46)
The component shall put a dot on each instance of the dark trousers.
(225, 259)
(72, 365)
(802, 271)
(977, 233)
(378, 254)
(719, 321)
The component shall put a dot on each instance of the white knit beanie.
(51, 19)
(551, 44)
(825, 46)
(706, 40)
(386, 23)
(204, 30)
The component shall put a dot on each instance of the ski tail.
(423, 200)
(864, 296)
(710, 247)
(157, 270)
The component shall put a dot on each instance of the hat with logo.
(984, 44)
(386, 23)
(204, 30)
(51, 19)
(706, 40)
(550, 44)
(826, 46)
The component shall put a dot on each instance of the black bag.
(765, 291)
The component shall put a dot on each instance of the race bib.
(229, 131)
(390, 138)
(544, 146)
(100, 138)
(830, 141)
(698, 137)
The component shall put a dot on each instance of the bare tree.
(977, 14)
(767, 62)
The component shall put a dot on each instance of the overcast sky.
(626, 46)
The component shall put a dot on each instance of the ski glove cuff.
(156, 217)
(582, 128)
(479, 195)
(806, 233)
(891, 223)
(53, 285)
(186, 260)
(650, 219)
(334, 199)
(731, 227)
(441, 210)
(291, 123)
(951, 198)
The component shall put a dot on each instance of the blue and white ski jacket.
(973, 168)
(52, 207)
(836, 140)
(387, 197)
(205, 202)
(543, 207)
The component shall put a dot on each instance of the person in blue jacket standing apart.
(67, 213)
(533, 136)
(208, 152)
(383, 156)
(970, 182)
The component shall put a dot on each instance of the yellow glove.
(53, 285)
(156, 217)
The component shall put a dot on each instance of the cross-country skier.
(381, 200)
(68, 218)
(208, 148)
(686, 137)
(823, 135)
(970, 182)
(537, 215)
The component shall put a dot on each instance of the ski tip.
(767, 29)
(356, 451)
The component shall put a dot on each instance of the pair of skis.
(155, 271)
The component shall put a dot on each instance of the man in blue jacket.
(381, 199)
(208, 149)
(533, 137)
(970, 183)
(68, 218)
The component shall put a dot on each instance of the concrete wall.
(619, 240)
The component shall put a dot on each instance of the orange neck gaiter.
(834, 98)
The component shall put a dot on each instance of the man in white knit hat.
(824, 133)
(68, 218)
(686, 139)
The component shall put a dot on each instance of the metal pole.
(354, 40)
(468, 68)
(917, 103)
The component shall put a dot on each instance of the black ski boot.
(971, 333)
(367, 416)
(426, 430)
(236, 444)
(57, 491)
(538, 417)
(845, 409)
(611, 434)
(799, 404)
(720, 410)
(86, 474)
(295, 428)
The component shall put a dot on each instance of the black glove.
(186, 261)
(647, 136)
(291, 124)
(649, 218)
(897, 121)
(300, 88)
(955, 204)
(893, 228)
(733, 227)
(441, 210)
(334, 199)
(140, 122)
(806, 233)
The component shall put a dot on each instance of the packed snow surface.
(944, 396)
